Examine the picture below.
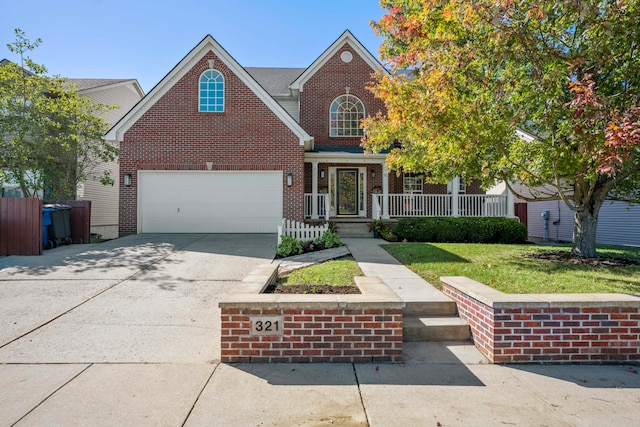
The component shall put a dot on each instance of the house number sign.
(266, 325)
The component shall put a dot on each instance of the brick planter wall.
(312, 328)
(582, 328)
(315, 335)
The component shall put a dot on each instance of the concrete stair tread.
(433, 321)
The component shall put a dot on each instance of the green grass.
(510, 269)
(337, 272)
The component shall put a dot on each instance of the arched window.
(345, 115)
(211, 92)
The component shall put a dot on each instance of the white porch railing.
(410, 205)
(322, 209)
(300, 230)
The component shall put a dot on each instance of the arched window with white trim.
(211, 92)
(345, 115)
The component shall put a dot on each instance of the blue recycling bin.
(59, 231)
(47, 214)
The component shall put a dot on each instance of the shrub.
(329, 239)
(450, 229)
(511, 231)
(289, 246)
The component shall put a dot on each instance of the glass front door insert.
(347, 191)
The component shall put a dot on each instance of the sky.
(140, 39)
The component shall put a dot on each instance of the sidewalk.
(55, 376)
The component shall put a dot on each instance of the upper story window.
(211, 92)
(345, 115)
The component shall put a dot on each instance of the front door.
(347, 187)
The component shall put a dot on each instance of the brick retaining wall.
(582, 328)
(311, 328)
(314, 335)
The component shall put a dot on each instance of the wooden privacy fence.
(20, 226)
(520, 210)
(300, 230)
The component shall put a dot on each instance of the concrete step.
(353, 229)
(420, 328)
(430, 308)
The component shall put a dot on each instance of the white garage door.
(209, 202)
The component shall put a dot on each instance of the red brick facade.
(173, 135)
(314, 336)
(326, 84)
(588, 332)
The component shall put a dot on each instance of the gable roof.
(346, 37)
(116, 133)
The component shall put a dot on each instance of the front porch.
(342, 183)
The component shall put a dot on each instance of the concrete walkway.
(125, 334)
(375, 261)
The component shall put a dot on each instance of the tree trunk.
(584, 233)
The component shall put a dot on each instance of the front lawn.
(526, 269)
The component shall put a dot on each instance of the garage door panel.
(210, 202)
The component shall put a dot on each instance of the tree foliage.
(51, 137)
(468, 76)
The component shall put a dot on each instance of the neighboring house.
(124, 94)
(617, 223)
(216, 147)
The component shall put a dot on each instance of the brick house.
(216, 147)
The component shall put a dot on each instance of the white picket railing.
(300, 230)
(322, 206)
(412, 205)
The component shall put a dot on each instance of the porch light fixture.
(373, 174)
(127, 180)
(289, 179)
(322, 174)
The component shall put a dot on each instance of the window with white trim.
(413, 184)
(211, 92)
(345, 115)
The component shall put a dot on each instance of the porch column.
(455, 200)
(385, 191)
(511, 213)
(314, 190)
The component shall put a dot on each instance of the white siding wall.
(105, 199)
(292, 107)
(618, 224)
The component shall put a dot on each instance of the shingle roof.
(275, 81)
(84, 84)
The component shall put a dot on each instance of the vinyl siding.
(291, 106)
(105, 199)
(618, 224)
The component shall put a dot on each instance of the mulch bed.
(569, 258)
(311, 289)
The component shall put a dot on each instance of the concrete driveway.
(126, 333)
(145, 298)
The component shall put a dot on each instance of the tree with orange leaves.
(469, 76)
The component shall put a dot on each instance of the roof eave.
(116, 133)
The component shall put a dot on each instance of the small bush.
(454, 230)
(329, 239)
(511, 231)
(289, 246)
